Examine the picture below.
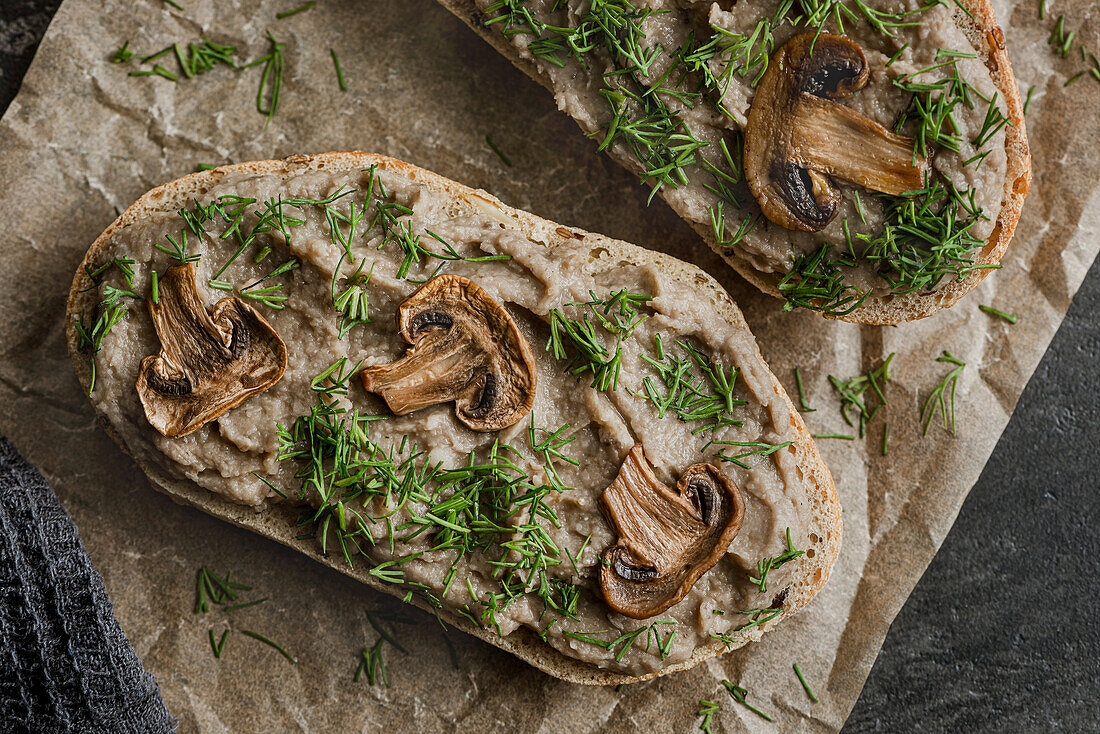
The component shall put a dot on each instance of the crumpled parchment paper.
(83, 138)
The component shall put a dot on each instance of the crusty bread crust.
(981, 29)
(278, 522)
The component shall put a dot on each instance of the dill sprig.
(751, 448)
(271, 80)
(500, 154)
(765, 565)
(1061, 40)
(943, 395)
(707, 709)
(926, 238)
(695, 388)
(218, 646)
(122, 54)
(578, 342)
(295, 11)
(803, 406)
(1009, 317)
(816, 282)
(371, 661)
(211, 588)
(852, 391)
(802, 680)
(110, 310)
(270, 643)
(740, 694)
(339, 71)
(392, 219)
(626, 640)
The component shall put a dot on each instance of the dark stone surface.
(1002, 633)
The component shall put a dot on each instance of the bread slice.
(277, 522)
(977, 21)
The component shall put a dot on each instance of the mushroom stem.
(655, 523)
(837, 140)
(209, 361)
(466, 349)
(439, 369)
(668, 538)
(800, 135)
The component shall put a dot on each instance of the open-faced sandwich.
(863, 158)
(561, 443)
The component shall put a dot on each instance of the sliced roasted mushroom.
(209, 362)
(798, 135)
(466, 349)
(667, 538)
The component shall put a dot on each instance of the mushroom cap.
(467, 349)
(209, 362)
(667, 538)
(798, 134)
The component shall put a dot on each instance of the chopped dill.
(695, 388)
(218, 646)
(804, 407)
(498, 151)
(707, 709)
(802, 680)
(300, 9)
(339, 71)
(270, 643)
(739, 694)
(765, 565)
(271, 80)
(1009, 317)
(853, 390)
(123, 54)
(943, 395)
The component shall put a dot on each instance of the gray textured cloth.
(65, 665)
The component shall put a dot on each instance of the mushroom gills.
(466, 349)
(667, 538)
(209, 361)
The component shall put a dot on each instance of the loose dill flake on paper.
(300, 9)
(942, 396)
(270, 643)
(1009, 317)
(805, 685)
(707, 709)
(740, 695)
(339, 71)
(500, 154)
(855, 393)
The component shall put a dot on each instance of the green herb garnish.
(218, 646)
(266, 641)
(123, 54)
(695, 388)
(339, 72)
(271, 80)
(804, 407)
(938, 398)
(852, 391)
(495, 149)
(1009, 317)
(739, 694)
(802, 680)
(295, 11)
(707, 709)
(765, 565)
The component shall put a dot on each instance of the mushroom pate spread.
(884, 127)
(589, 374)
